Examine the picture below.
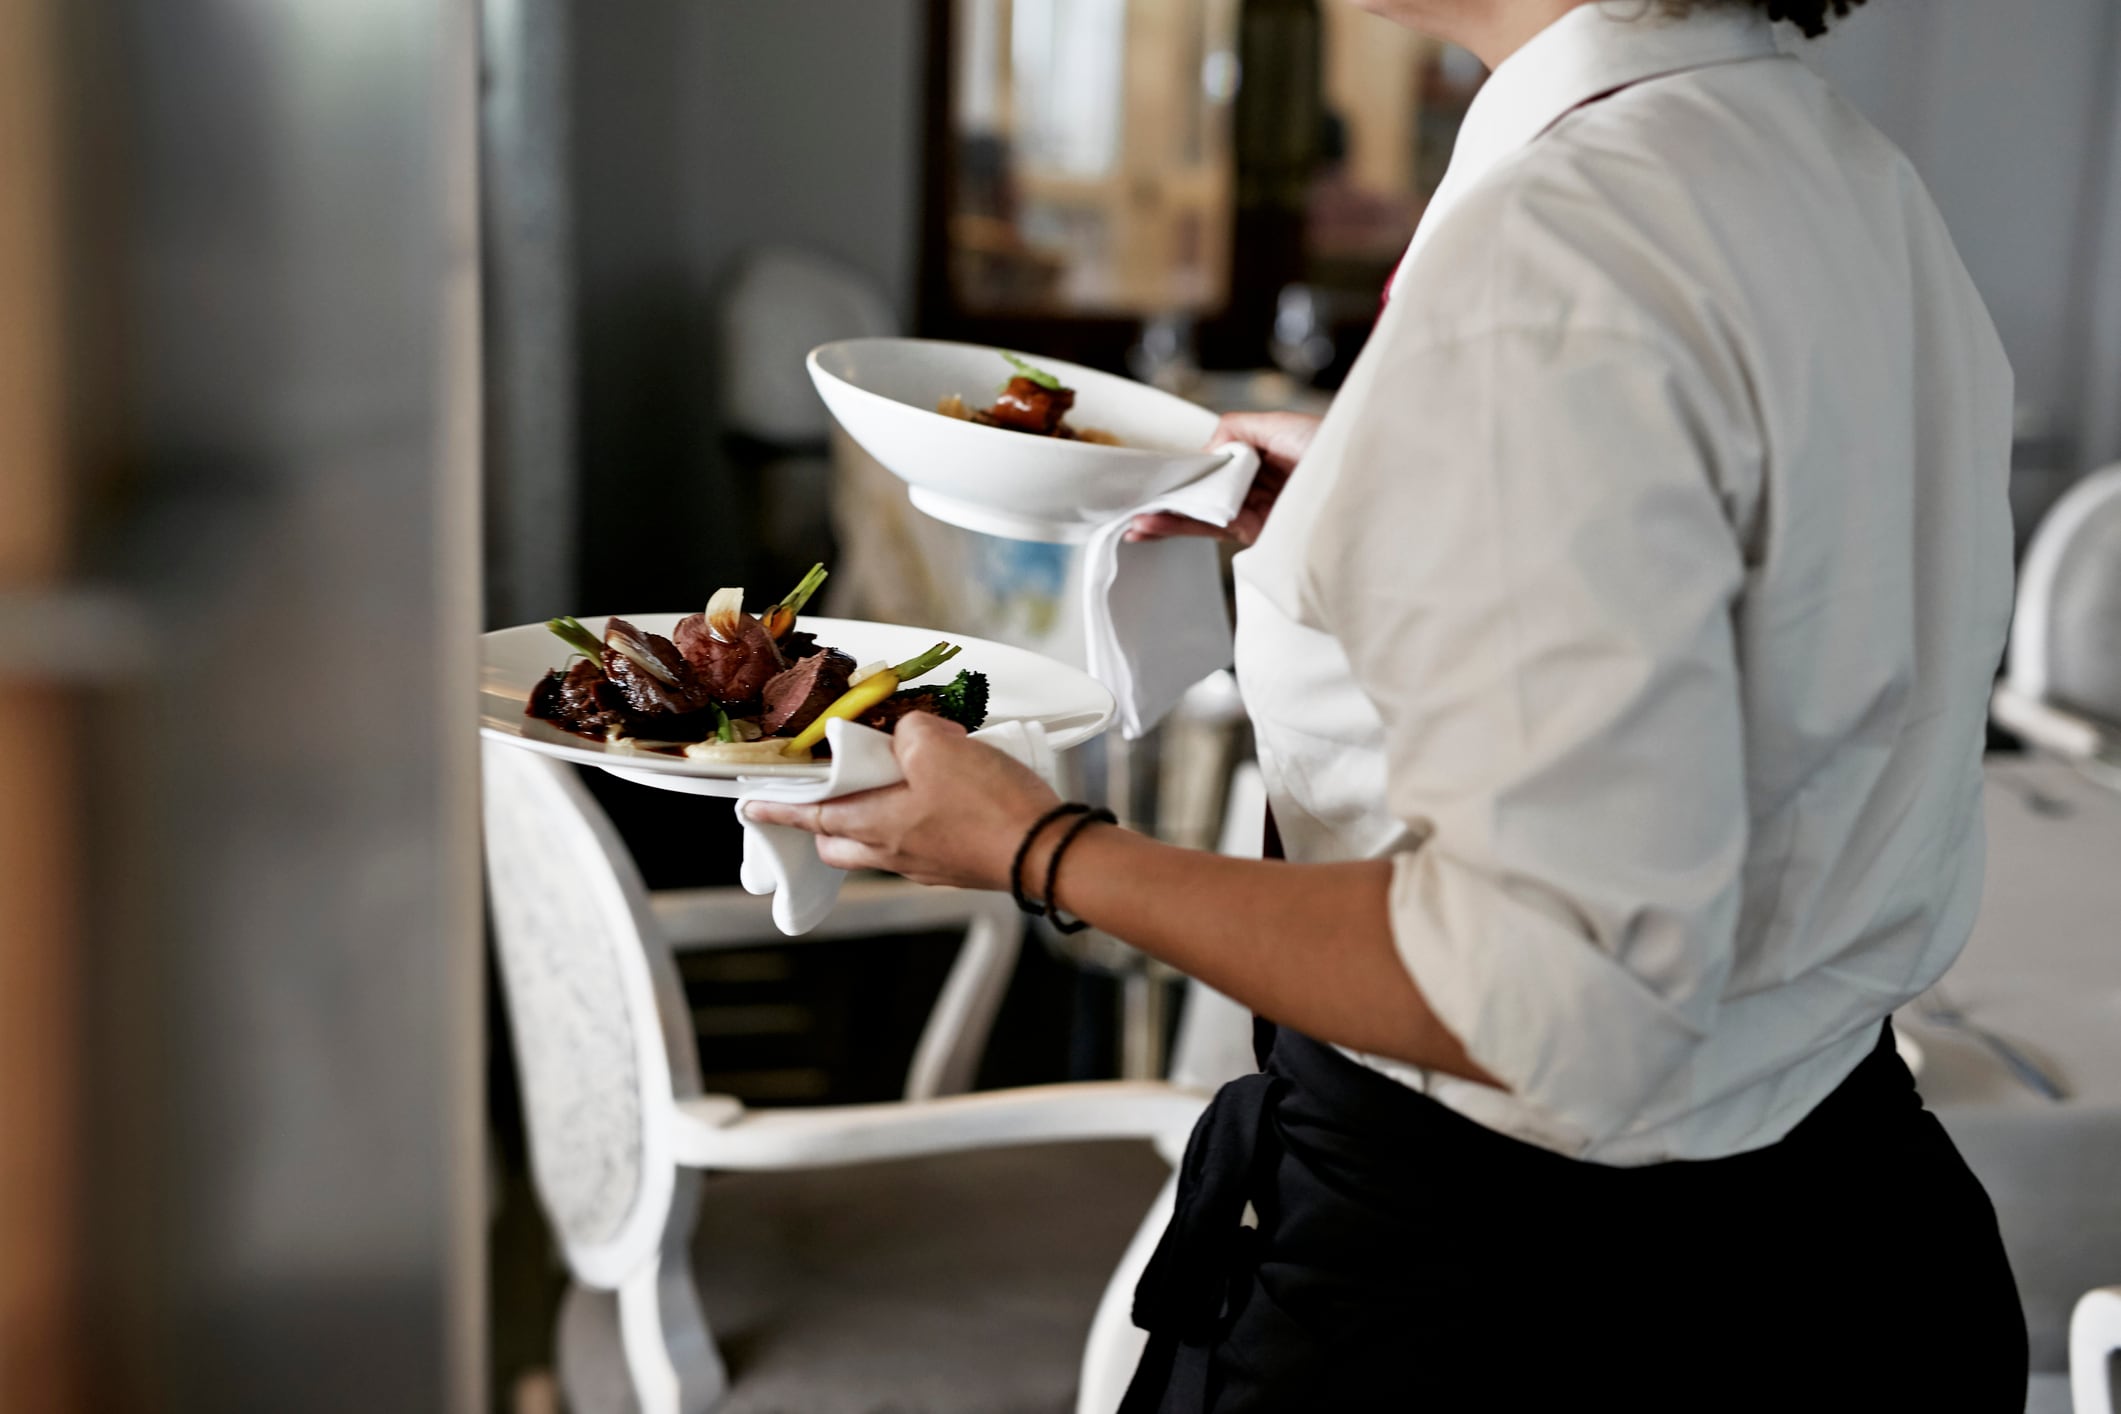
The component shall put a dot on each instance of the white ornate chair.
(2094, 1339)
(619, 1130)
(2062, 690)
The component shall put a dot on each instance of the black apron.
(1407, 1258)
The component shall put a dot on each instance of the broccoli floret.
(964, 700)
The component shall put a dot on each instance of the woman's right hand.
(1280, 438)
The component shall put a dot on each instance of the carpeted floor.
(956, 1285)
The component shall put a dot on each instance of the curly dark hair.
(1811, 16)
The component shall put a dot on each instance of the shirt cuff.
(1536, 1002)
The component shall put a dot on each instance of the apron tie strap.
(1185, 1287)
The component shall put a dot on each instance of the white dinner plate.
(989, 479)
(1023, 686)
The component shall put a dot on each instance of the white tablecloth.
(2043, 968)
(2043, 971)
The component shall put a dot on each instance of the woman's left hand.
(956, 820)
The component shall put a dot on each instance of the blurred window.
(1092, 140)
(1096, 171)
(1393, 103)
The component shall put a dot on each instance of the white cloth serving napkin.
(782, 861)
(1154, 620)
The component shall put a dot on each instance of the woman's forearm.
(1308, 945)
(1305, 945)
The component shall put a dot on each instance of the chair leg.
(1115, 1344)
(644, 1349)
(948, 1056)
(702, 1378)
(655, 1376)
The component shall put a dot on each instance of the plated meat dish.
(729, 686)
(1032, 401)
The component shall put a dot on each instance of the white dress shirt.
(1642, 591)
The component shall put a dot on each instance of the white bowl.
(884, 392)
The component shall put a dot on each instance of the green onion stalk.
(781, 617)
(569, 631)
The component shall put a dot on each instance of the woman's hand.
(957, 819)
(1280, 438)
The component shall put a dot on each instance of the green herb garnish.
(1037, 375)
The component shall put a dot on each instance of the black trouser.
(1408, 1258)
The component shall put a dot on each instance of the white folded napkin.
(1154, 620)
(782, 861)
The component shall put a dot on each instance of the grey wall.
(528, 308)
(707, 126)
(2009, 112)
(703, 127)
(804, 128)
(647, 493)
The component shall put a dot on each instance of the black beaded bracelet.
(1053, 914)
(1023, 852)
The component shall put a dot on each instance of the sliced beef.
(737, 671)
(677, 690)
(1027, 406)
(798, 645)
(794, 698)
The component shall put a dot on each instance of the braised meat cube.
(1027, 406)
(887, 714)
(570, 698)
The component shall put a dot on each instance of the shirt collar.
(1592, 50)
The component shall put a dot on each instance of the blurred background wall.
(700, 132)
(830, 161)
(2012, 113)
(703, 132)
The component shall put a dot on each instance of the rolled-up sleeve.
(1528, 558)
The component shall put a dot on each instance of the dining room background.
(1205, 193)
(337, 333)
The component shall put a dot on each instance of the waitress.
(1618, 648)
